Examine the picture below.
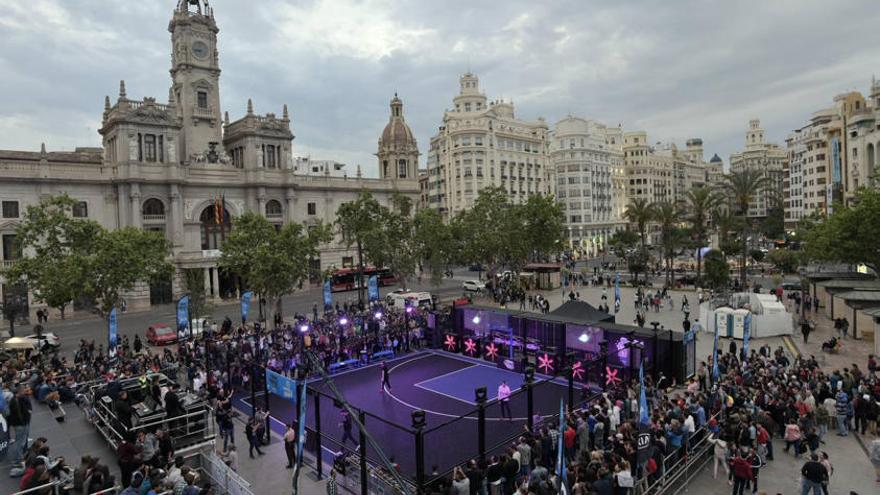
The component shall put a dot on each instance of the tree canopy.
(272, 262)
(66, 258)
(851, 234)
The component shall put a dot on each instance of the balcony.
(158, 218)
(6, 264)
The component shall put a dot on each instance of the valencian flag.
(300, 435)
(644, 421)
(219, 209)
(246, 305)
(561, 472)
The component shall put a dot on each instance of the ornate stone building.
(768, 159)
(164, 166)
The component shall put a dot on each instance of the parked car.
(161, 334)
(476, 267)
(473, 285)
(414, 299)
(47, 339)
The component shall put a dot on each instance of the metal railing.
(681, 464)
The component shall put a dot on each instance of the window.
(401, 169)
(203, 99)
(269, 156)
(273, 209)
(81, 210)
(11, 249)
(347, 261)
(149, 147)
(312, 208)
(10, 209)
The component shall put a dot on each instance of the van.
(415, 299)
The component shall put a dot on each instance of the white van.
(415, 299)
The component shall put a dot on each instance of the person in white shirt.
(504, 399)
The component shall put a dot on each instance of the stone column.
(123, 204)
(175, 219)
(208, 290)
(291, 206)
(136, 218)
(216, 275)
(261, 200)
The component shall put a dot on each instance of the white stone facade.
(589, 175)
(164, 166)
(768, 158)
(483, 144)
(863, 144)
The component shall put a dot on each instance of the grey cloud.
(675, 69)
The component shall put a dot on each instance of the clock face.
(200, 49)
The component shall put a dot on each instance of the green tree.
(119, 260)
(742, 188)
(639, 212)
(717, 271)
(434, 243)
(624, 244)
(543, 224)
(785, 260)
(669, 215)
(57, 246)
(391, 242)
(356, 222)
(851, 234)
(194, 284)
(700, 201)
(273, 262)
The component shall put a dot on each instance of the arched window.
(153, 209)
(214, 227)
(273, 209)
(401, 169)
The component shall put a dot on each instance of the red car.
(160, 334)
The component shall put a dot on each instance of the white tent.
(22, 343)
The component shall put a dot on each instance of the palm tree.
(742, 188)
(700, 202)
(669, 214)
(638, 211)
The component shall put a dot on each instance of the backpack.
(651, 466)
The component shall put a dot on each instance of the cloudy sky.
(677, 69)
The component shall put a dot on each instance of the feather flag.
(715, 372)
(644, 438)
(561, 472)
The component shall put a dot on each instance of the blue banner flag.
(328, 295)
(644, 438)
(373, 288)
(246, 305)
(182, 316)
(715, 372)
(617, 287)
(300, 434)
(747, 334)
(113, 336)
(560, 449)
(280, 385)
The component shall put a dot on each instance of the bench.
(382, 354)
(334, 367)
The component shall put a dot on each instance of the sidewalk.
(854, 351)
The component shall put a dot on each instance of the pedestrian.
(875, 457)
(19, 419)
(345, 422)
(742, 473)
(841, 408)
(814, 474)
(823, 458)
(290, 445)
(504, 399)
(805, 329)
(720, 455)
(253, 439)
(332, 489)
(383, 368)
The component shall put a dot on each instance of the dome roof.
(397, 133)
(716, 159)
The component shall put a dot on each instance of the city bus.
(346, 279)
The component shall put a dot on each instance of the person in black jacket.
(510, 469)
(814, 474)
(123, 409)
(20, 420)
(475, 477)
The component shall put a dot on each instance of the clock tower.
(195, 73)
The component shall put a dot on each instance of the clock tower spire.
(195, 74)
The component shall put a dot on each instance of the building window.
(347, 261)
(149, 147)
(203, 99)
(273, 209)
(401, 169)
(81, 210)
(10, 209)
(312, 208)
(269, 156)
(11, 249)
